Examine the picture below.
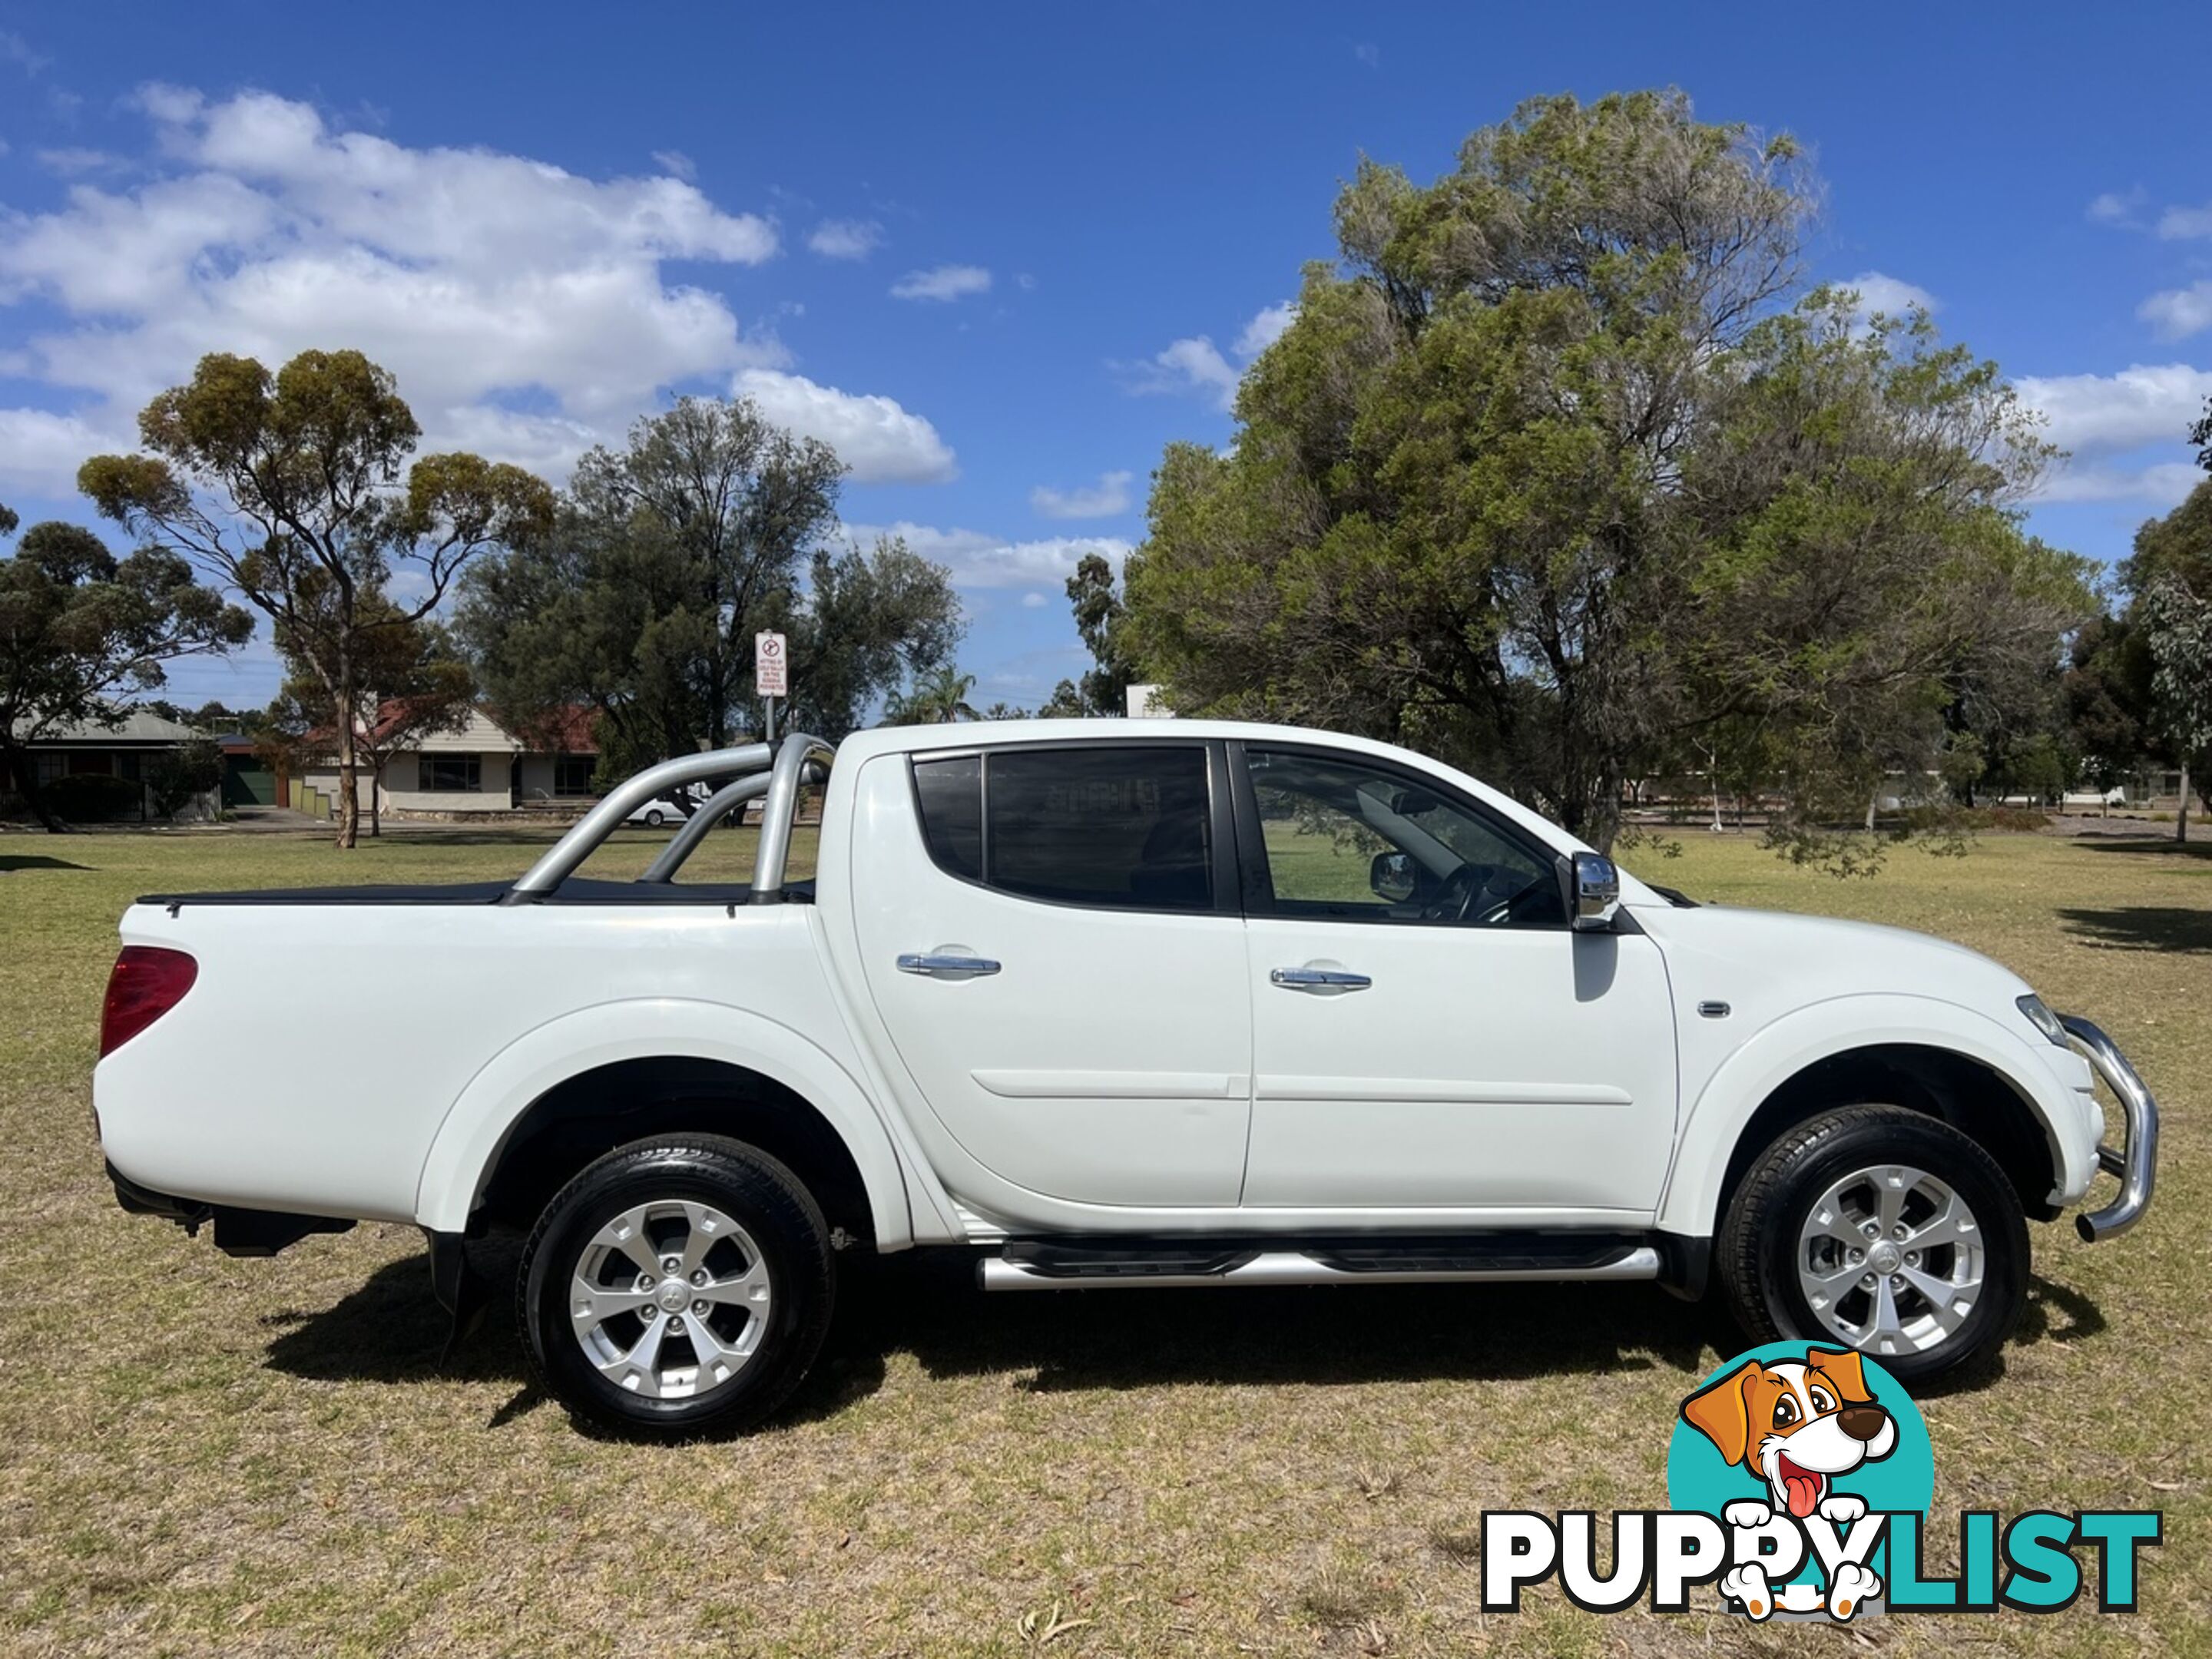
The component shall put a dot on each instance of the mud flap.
(461, 1291)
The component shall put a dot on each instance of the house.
(124, 749)
(478, 767)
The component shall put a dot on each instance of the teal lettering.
(2044, 1576)
(2116, 1568)
(1978, 1549)
(1906, 1588)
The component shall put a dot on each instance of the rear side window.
(950, 794)
(1121, 828)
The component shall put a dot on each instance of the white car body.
(1129, 1073)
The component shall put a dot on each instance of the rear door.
(1050, 935)
(1428, 1030)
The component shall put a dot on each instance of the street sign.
(771, 667)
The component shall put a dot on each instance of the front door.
(1428, 1031)
(1050, 937)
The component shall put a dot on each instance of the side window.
(1122, 827)
(950, 794)
(1355, 842)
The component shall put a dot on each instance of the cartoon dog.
(1796, 1424)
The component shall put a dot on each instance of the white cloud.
(1265, 328)
(486, 283)
(1102, 499)
(1892, 296)
(2162, 485)
(977, 560)
(78, 162)
(676, 163)
(846, 238)
(2179, 224)
(2118, 208)
(942, 282)
(882, 442)
(1195, 365)
(1034, 600)
(40, 452)
(1369, 53)
(2178, 313)
(2105, 413)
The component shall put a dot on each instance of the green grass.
(205, 1456)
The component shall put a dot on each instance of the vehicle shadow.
(11, 862)
(2155, 846)
(391, 1330)
(2141, 927)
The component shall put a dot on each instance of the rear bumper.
(2135, 1160)
(237, 1231)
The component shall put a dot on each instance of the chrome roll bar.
(2136, 1161)
(790, 760)
(724, 801)
(781, 811)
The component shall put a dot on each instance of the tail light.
(145, 983)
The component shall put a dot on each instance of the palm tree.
(939, 697)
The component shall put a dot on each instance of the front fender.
(470, 1138)
(1716, 1120)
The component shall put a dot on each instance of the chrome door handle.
(1317, 979)
(939, 965)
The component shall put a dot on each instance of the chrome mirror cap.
(1597, 892)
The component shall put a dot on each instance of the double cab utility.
(1105, 1004)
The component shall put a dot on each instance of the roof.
(569, 728)
(132, 725)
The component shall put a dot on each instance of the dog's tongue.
(1803, 1487)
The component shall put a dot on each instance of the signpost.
(771, 675)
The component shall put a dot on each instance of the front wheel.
(1881, 1229)
(679, 1286)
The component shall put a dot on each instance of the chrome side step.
(1300, 1267)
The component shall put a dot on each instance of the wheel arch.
(1949, 1062)
(583, 1084)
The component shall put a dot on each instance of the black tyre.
(653, 819)
(1879, 1229)
(679, 1286)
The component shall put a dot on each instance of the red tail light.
(145, 983)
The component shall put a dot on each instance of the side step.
(1055, 1265)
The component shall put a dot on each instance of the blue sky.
(1001, 255)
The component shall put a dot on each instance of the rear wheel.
(679, 1286)
(1881, 1229)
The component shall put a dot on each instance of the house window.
(98, 765)
(572, 774)
(51, 765)
(452, 774)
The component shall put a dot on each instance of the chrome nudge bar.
(2136, 1161)
(793, 761)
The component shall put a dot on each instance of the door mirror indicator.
(1596, 892)
(1392, 878)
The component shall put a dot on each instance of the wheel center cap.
(1884, 1258)
(674, 1297)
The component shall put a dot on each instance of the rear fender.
(472, 1135)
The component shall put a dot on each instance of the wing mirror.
(1596, 892)
(1392, 878)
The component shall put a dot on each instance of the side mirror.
(1392, 878)
(1596, 892)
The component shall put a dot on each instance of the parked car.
(1108, 1004)
(673, 805)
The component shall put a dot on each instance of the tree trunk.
(2181, 815)
(376, 800)
(24, 771)
(349, 771)
(1872, 802)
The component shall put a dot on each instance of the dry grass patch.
(208, 1456)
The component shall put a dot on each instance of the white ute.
(1106, 1004)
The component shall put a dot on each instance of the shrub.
(94, 798)
(175, 775)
